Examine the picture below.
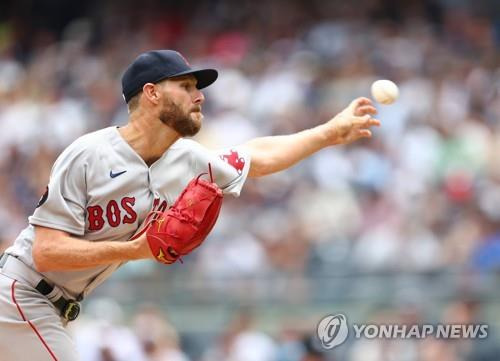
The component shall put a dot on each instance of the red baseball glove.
(183, 227)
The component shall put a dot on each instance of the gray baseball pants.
(30, 326)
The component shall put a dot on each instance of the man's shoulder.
(94, 138)
(184, 144)
(89, 143)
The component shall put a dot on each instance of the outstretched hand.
(353, 122)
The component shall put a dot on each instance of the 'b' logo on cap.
(185, 60)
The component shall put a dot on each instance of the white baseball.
(385, 91)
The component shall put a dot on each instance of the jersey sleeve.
(230, 168)
(63, 205)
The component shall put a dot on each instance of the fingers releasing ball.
(384, 91)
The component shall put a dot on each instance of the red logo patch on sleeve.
(234, 160)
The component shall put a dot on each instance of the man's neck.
(149, 137)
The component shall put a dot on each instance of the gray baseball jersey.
(100, 189)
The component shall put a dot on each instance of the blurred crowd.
(104, 335)
(422, 196)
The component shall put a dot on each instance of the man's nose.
(199, 97)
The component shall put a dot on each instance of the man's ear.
(151, 92)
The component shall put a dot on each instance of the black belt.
(69, 309)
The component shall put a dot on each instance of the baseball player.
(103, 186)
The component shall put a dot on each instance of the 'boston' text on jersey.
(113, 214)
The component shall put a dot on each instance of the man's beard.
(173, 116)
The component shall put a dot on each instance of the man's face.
(181, 105)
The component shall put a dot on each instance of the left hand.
(184, 226)
(353, 122)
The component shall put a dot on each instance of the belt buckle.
(71, 310)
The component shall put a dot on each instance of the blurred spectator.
(103, 336)
(242, 342)
(158, 338)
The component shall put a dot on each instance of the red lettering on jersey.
(234, 160)
(159, 207)
(127, 204)
(96, 221)
(156, 202)
(113, 213)
(163, 206)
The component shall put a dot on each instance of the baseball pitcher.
(141, 191)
